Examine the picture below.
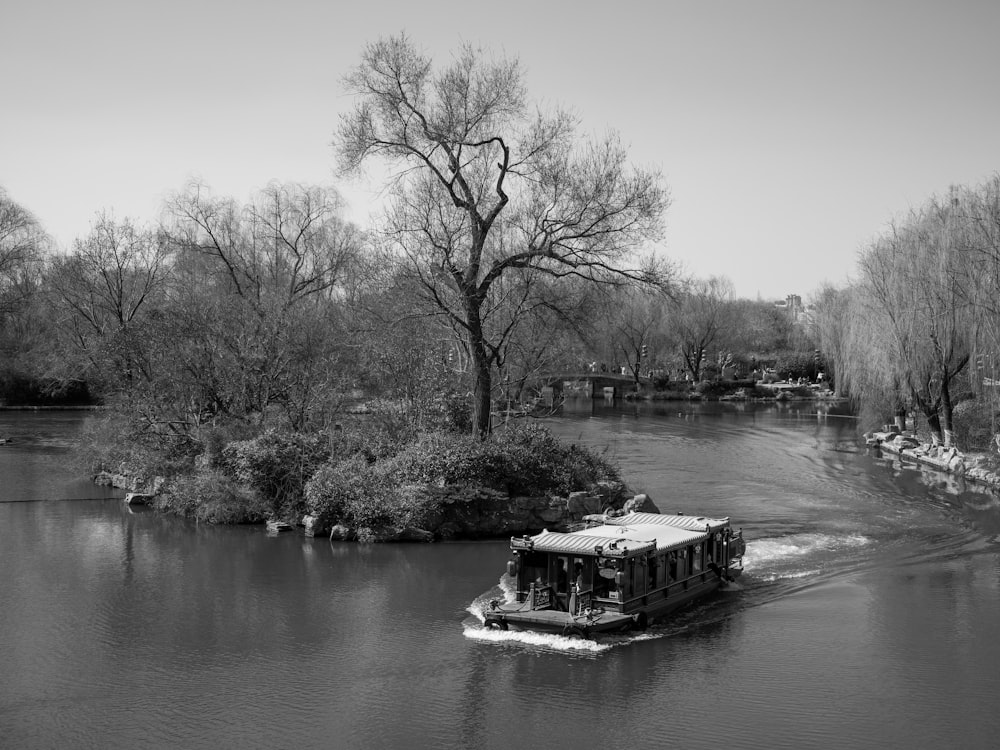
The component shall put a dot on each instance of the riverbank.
(353, 484)
(737, 390)
(983, 468)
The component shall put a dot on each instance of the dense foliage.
(360, 475)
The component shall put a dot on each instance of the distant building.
(792, 303)
(799, 313)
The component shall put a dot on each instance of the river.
(867, 617)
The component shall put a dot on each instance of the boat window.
(671, 566)
(604, 577)
(652, 566)
(561, 574)
(581, 574)
(535, 567)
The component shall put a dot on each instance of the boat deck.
(558, 621)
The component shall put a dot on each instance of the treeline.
(232, 339)
(278, 313)
(918, 330)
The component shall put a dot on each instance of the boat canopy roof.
(613, 540)
(694, 523)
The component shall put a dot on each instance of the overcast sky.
(789, 133)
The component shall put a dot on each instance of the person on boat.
(561, 577)
(576, 588)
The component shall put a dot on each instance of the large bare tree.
(22, 242)
(485, 185)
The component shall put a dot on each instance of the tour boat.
(618, 573)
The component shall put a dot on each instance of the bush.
(277, 466)
(794, 365)
(521, 460)
(115, 444)
(211, 497)
(975, 426)
(712, 388)
(365, 497)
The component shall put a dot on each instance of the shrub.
(277, 466)
(211, 497)
(116, 444)
(522, 460)
(363, 496)
(975, 425)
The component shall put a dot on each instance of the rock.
(312, 525)
(410, 534)
(551, 515)
(276, 527)
(582, 503)
(395, 534)
(341, 533)
(640, 504)
(138, 498)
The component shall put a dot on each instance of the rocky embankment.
(979, 467)
(480, 513)
(455, 512)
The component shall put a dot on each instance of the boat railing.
(583, 601)
(541, 596)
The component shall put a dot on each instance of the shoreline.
(981, 468)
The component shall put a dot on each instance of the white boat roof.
(694, 523)
(613, 539)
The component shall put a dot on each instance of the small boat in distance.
(617, 573)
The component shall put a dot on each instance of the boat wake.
(474, 628)
(548, 641)
(782, 557)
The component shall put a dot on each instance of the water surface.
(867, 616)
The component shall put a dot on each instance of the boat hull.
(640, 614)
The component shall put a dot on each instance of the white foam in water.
(799, 545)
(544, 640)
(504, 590)
(764, 555)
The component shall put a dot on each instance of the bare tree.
(485, 186)
(22, 242)
(105, 287)
(702, 315)
(256, 300)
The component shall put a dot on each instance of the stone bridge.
(592, 384)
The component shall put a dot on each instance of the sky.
(789, 133)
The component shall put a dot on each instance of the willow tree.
(484, 186)
(916, 279)
(832, 309)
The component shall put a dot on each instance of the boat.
(616, 573)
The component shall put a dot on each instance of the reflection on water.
(865, 618)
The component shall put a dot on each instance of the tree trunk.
(946, 413)
(934, 425)
(482, 376)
